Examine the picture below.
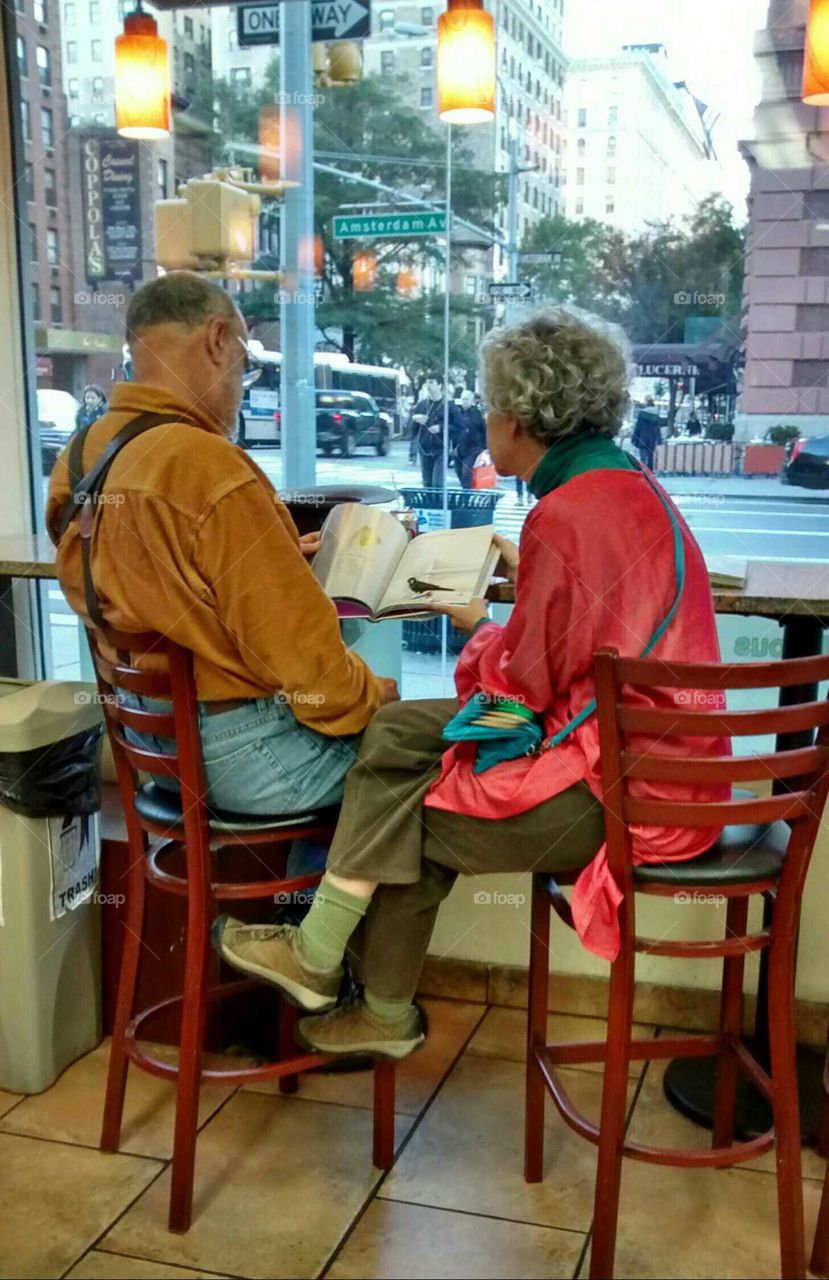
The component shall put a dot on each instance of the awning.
(75, 342)
(712, 364)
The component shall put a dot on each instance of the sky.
(709, 44)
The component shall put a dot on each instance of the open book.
(370, 566)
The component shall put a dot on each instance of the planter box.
(695, 459)
(763, 459)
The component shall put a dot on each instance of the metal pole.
(296, 311)
(512, 224)
(447, 316)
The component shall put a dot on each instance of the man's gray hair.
(181, 297)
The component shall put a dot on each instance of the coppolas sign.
(111, 208)
(93, 211)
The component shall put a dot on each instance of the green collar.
(585, 450)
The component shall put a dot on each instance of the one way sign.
(330, 20)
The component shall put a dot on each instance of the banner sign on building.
(112, 208)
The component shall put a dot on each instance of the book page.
(359, 551)
(458, 559)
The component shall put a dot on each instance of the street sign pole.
(296, 311)
(512, 221)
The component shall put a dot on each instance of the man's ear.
(217, 336)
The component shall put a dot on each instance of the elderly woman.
(605, 559)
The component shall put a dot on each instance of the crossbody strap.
(85, 493)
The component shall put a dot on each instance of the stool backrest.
(175, 684)
(636, 746)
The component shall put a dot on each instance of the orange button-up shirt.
(192, 540)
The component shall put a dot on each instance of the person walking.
(469, 437)
(93, 406)
(427, 433)
(647, 433)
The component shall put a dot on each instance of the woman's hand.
(507, 566)
(309, 544)
(464, 616)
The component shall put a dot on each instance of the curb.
(749, 497)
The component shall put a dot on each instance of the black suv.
(347, 420)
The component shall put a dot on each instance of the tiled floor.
(285, 1185)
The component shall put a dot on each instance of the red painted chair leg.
(193, 1015)
(288, 1018)
(125, 1002)
(820, 1253)
(384, 1083)
(614, 1111)
(536, 1089)
(731, 1021)
(785, 1101)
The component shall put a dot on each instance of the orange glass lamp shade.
(142, 80)
(364, 272)
(466, 63)
(407, 282)
(816, 55)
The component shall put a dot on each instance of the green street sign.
(389, 226)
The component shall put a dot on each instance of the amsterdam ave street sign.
(511, 289)
(389, 226)
(330, 20)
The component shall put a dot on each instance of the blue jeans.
(260, 759)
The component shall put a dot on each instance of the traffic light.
(212, 222)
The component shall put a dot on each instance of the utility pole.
(512, 222)
(296, 311)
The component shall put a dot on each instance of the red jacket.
(597, 569)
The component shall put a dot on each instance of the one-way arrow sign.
(511, 289)
(330, 20)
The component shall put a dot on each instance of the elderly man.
(192, 541)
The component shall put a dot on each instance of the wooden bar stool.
(182, 821)
(820, 1252)
(765, 849)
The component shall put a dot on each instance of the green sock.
(388, 1010)
(324, 933)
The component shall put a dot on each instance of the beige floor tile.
(72, 1109)
(450, 1025)
(656, 1122)
(55, 1201)
(502, 1034)
(8, 1100)
(409, 1241)
(278, 1182)
(467, 1152)
(112, 1266)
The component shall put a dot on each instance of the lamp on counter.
(142, 78)
(816, 55)
(466, 63)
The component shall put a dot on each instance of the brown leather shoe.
(270, 952)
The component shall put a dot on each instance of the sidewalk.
(745, 487)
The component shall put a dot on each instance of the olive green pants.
(415, 853)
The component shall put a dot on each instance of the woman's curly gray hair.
(556, 373)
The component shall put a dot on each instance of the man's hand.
(435, 428)
(464, 616)
(507, 566)
(309, 544)
(389, 688)
(419, 418)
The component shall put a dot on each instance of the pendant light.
(142, 78)
(466, 63)
(816, 55)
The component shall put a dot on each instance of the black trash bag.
(61, 780)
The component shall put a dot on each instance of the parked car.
(347, 420)
(808, 463)
(56, 414)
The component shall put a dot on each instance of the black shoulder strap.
(86, 489)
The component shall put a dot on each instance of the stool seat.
(162, 806)
(744, 853)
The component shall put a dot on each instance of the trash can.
(468, 508)
(50, 944)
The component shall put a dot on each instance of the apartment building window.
(582, 117)
(55, 305)
(39, 12)
(74, 89)
(240, 77)
(611, 145)
(95, 11)
(612, 116)
(33, 240)
(427, 16)
(71, 51)
(426, 97)
(52, 252)
(97, 86)
(163, 179)
(387, 62)
(471, 285)
(44, 66)
(427, 58)
(232, 37)
(611, 176)
(20, 6)
(97, 51)
(35, 301)
(100, 118)
(189, 72)
(386, 19)
(581, 146)
(22, 58)
(580, 205)
(580, 177)
(26, 119)
(47, 127)
(610, 205)
(188, 28)
(50, 190)
(69, 15)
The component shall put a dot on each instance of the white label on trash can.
(73, 854)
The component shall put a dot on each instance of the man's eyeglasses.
(253, 367)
